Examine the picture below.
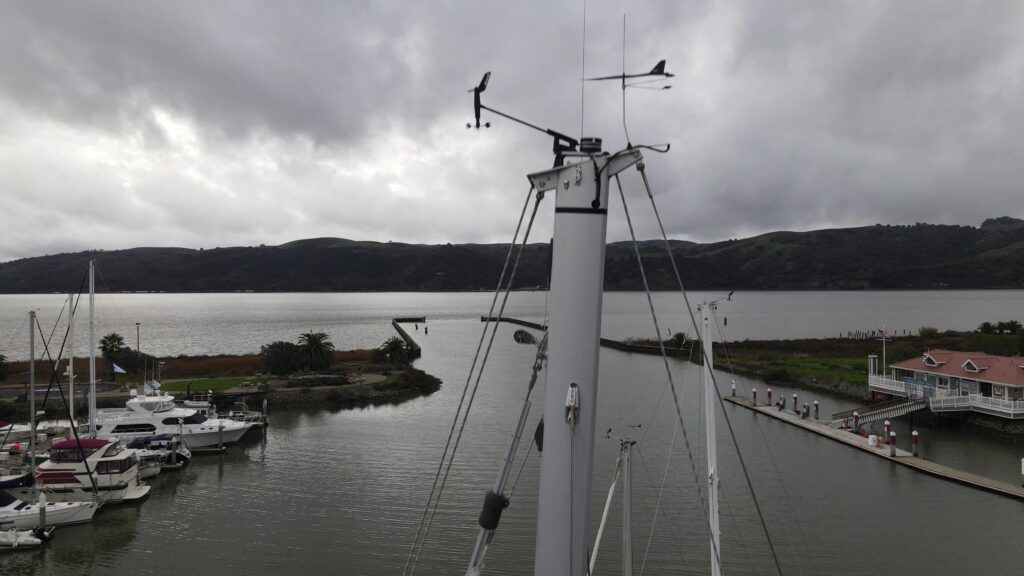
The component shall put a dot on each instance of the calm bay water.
(173, 324)
(341, 491)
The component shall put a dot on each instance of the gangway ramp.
(886, 411)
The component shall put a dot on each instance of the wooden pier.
(605, 342)
(410, 345)
(902, 457)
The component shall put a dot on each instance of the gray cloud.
(195, 124)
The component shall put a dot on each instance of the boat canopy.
(87, 443)
(141, 441)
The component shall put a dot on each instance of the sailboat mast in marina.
(574, 333)
(710, 404)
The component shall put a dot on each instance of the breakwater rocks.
(400, 385)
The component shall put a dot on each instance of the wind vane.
(562, 143)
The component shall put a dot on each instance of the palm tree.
(316, 350)
(109, 345)
(986, 328)
(393, 350)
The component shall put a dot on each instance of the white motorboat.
(147, 415)
(85, 470)
(13, 538)
(14, 432)
(25, 515)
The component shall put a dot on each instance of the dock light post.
(753, 395)
(816, 410)
(914, 439)
(892, 444)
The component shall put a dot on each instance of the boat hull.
(104, 495)
(57, 514)
(206, 439)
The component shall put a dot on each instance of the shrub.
(281, 358)
(927, 332)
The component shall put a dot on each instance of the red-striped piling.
(892, 444)
(914, 439)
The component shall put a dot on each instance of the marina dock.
(902, 457)
(605, 342)
(411, 346)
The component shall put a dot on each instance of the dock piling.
(892, 444)
(753, 395)
(856, 420)
(914, 439)
(769, 396)
(794, 403)
(816, 410)
(734, 388)
(888, 428)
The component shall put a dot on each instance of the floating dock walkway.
(606, 342)
(902, 457)
(410, 345)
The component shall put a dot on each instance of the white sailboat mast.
(710, 402)
(71, 358)
(627, 509)
(32, 395)
(92, 349)
(574, 331)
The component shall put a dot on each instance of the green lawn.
(202, 384)
(849, 369)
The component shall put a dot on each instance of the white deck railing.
(941, 400)
(888, 385)
(979, 403)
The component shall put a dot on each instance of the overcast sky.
(204, 124)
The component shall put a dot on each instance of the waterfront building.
(953, 381)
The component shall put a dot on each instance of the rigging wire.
(64, 401)
(469, 376)
(428, 517)
(661, 347)
(661, 490)
(693, 321)
(46, 341)
(583, 68)
(771, 455)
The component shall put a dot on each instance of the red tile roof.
(997, 369)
